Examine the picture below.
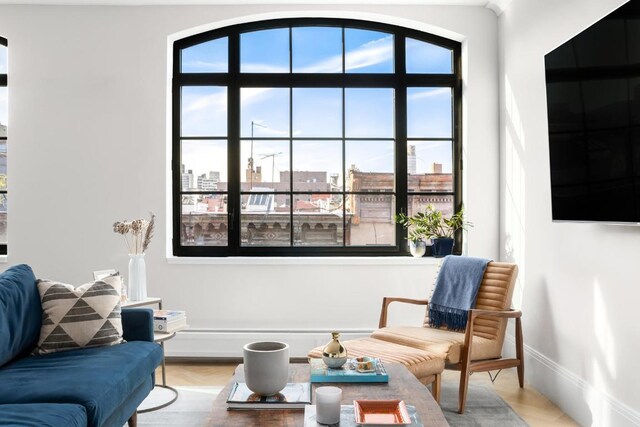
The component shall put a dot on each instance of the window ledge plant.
(433, 225)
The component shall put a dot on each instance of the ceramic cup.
(328, 405)
(266, 367)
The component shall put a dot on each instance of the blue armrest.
(137, 324)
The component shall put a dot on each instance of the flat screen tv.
(593, 106)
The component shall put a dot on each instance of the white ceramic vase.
(266, 367)
(137, 278)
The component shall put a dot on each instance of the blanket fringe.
(454, 319)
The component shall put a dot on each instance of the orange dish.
(381, 412)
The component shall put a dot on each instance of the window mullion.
(234, 195)
(401, 138)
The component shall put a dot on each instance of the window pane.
(317, 220)
(317, 165)
(317, 50)
(369, 113)
(368, 51)
(317, 112)
(370, 165)
(3, 59)
(370, 219)
(3, 218)
(209, 57)
(204, 165)
(429, 112)
(429, 166)
(265, 220)
(204, 111)
(265, 51)
(270, 165)
(3, 164)
(419, 204)
(425, 57)
(264, 112)
(204, 220)
(4, 116)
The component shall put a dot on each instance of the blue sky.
(3, 59)
(317, 112)
(3, 105)
(3, 90)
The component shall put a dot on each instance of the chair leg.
(133, 421)
(520, 352)
(464, 385)
(436, 387)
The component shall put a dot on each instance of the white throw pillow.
(86, 316)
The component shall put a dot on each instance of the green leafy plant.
(431, 224)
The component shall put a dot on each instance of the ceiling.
(496, 5)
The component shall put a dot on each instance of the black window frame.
(399, 80)
(4, 83)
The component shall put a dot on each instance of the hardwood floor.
(533, 407)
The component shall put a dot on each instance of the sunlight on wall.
(603, 361)
(514, 179)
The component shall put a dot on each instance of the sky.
(3, 90)
(317, 112)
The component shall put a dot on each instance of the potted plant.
(432, 224)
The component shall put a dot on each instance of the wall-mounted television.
(593, 106)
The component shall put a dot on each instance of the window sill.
(3, 259)
(368, 261)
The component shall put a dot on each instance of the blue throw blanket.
(456, 290)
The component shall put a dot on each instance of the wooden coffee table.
(402, 385)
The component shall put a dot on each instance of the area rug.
(484, 408)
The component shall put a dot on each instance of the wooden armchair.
(479, 348)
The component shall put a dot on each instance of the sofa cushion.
(43, 415)
(439, 341)
(86, 316)
(98, 378)
(20, 312)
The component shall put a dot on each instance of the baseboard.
(586, 404)
(227, 344)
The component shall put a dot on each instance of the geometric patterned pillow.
(86, 316)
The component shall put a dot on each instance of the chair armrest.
(465, 356)
(502, 314)
(137, 324)
(388, 300)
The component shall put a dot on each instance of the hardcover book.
(293, 396)
(168, 327)
(348, 373)
(168, 315)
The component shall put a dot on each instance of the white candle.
(328, 405)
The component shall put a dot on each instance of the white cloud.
(430, 93)
(255, 67)
(216, 101)
(371, 53)
(204, 65)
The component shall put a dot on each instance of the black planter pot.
(441, 247)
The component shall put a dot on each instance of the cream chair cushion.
(438, 341)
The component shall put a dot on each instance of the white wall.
(88, 146)
(578, 282)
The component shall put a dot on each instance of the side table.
(159, 338)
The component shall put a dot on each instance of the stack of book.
(293, 396)
(348, 373)
(168, 321)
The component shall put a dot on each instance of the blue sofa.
(98, 386)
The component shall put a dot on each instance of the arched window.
(3, 145)
(306, 136)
